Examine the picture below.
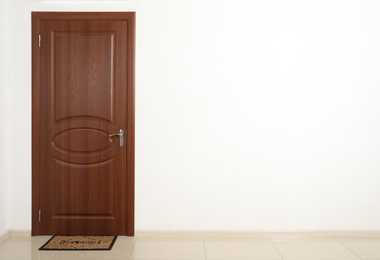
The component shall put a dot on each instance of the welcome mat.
(79, 243)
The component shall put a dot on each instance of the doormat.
(79, 243)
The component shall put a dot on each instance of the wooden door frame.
(130, 113)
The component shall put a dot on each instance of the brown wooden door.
(83, 123)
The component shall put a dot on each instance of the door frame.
(130, 113)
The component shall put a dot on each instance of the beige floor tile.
(45, 255)
(132, 258)
(91, 258)
(27, 248)
(248, 259)
(314, 248)
(87, 258)
(21, 247)
(364, 247)
(162, 248)
(7, 258)
(128, 248)
(243, 248)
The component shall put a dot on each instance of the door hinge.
(39, 215)
(39, 40)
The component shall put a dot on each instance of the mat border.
(81, 249)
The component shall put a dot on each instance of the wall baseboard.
(218, 234)
(20, 233)
(15, 233)
(4, 236)
(262, 234)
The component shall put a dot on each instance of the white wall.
(4, 118)
(251, 115)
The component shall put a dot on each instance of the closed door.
(83, 123)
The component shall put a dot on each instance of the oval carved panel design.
(82, 141)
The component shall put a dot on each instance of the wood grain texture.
(83, 90)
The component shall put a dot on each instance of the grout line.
(133, 248)
(204, 247)
(337, 239)
(278, 251)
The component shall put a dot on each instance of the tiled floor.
(204, 248)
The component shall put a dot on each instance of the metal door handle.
(121, 137)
